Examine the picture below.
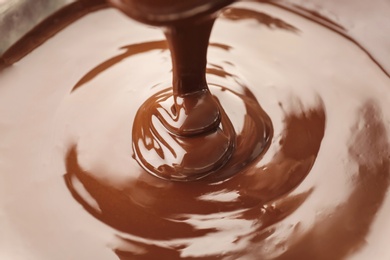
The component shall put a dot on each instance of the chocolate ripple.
(317, 192)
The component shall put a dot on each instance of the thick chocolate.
(319, 191)
(183, 134)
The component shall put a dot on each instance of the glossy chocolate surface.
(319, 191)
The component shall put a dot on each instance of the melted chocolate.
(185, 135)
(317, 190)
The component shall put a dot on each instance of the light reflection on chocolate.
(343, 230)
(176, 207)
(316, 193)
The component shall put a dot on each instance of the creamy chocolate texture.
(313, 184)
(185, 135)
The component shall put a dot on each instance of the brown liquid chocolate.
(314, 186)
(185, 135)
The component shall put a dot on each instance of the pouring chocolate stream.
(184, 134)
(320, 191)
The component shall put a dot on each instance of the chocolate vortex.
(244, 210)
(155, 209)
(318, 192)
